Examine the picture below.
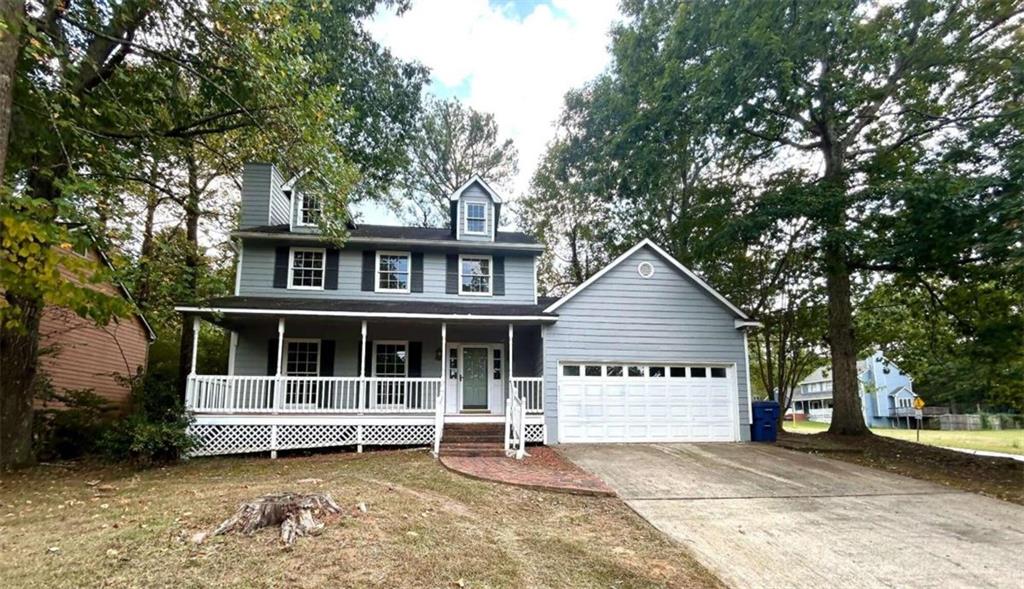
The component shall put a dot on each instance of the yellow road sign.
(918, 403)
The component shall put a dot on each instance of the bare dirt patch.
(75, 525)
(1002, 478)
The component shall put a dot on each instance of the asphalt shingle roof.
(399, 232)
(361, 306)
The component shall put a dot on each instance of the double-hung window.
(476, 217)
(309, 209)
(301, 358)
(393, 271)
(391, 360)
(306, 268)
(475, 275)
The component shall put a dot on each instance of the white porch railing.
(821, 415)
(531, 389)
(319, 394)
(515, 417)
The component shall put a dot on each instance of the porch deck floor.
(544, 469)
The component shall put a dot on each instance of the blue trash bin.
(764, 422)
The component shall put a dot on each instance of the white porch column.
(232, 351)
(362, 351)
(510, 341)
(364, 398)
(278, 381)
(195, 343)
(442, 400)
(444, 362)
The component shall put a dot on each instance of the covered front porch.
(301, 381)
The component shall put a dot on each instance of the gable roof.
(483, 184)
(668, 258)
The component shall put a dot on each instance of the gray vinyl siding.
(263, 200)
(623, 317)
(251, 353)
(476, 194)
(257, 277)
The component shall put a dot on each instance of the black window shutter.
(368, 364)
(497, 219)
(415, 359)
(417, 272)
(331, 270)
(499, 276)
(369, 259)
(453, 213)
(326, 357)
(272, 357)
(451, 283)
(281, 267)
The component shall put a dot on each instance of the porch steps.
(473, 439)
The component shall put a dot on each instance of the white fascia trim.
(371, 315)
(647, 242)
(740, 324)
(487, 188)
(313, 237)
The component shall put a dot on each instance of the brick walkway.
(544, 469)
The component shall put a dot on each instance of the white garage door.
(645, 403)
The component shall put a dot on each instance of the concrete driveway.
(761, 516)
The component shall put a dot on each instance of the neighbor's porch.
(301, 382)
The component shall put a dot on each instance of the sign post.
(919, 413)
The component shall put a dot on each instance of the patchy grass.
(1010, 441)
(74, 525)
(1002, 478)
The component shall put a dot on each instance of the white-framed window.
(394, 271)
(309, 209)
(391, 358)
(496, 366)
(476, 218)
(301, 357)
(475, 275)
(306, 268)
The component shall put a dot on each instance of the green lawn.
(1010, 441)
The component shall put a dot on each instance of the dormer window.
(309, 210)
(476, 218)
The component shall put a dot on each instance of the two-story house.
(407, 330)
(886, 393)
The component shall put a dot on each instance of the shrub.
(144, 441)
(72, 428)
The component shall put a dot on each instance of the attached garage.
(645, 403)
(646, 351)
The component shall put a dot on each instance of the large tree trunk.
(847, 418)
(12, 13)
(19, 354)
(192, 263)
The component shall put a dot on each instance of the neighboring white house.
(886, 393)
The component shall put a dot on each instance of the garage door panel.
(615, 407)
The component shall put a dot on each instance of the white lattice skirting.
(535, 432)
(215, 439)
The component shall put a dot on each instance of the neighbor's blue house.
(886, 392)
(407, 330)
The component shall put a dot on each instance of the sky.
(513, 58)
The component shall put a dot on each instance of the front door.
(474, 377)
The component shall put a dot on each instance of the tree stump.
(295, 513)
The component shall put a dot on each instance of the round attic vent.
(645, 269)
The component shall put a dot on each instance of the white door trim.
(494, 407)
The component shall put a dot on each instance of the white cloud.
(514, 60)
